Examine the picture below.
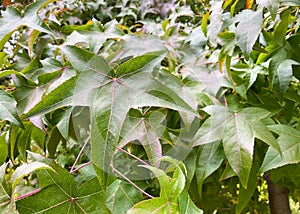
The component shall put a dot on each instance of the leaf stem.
(28, 194)
(80, 167)
(79, 155)
(132, 155)
(131, 182)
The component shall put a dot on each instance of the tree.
(152, 106)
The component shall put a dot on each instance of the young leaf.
(155, 205)
(237, 130)
(248, 29)
(288, 140)
(169, 200)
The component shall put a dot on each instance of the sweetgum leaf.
(248, 29)
(60, 194)
(173, 198)
(13, 19)
(26, 169)
(8, 108)
(237, 130)
(289, 141)
(209, 160)
(121, 196)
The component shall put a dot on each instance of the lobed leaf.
(237, 130)
(288, 140)
(248, 29)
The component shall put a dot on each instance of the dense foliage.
(148, 106)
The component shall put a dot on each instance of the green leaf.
(64, 123)
(122, 196)
(173, 198)
(281, 30)
(209, 159)
(288, 140)
(57, 98)
(12, 19)
(52, 143)
(245, 194)
(14, 134)
(8, 108)
(154, 206)
(3, 149)
(137, 46)
(283, 76)
(26, 169)
(93, 34)
(187, 206)
(24, 140)
(248, 29)
(135, 65)
(6, 201)
(60, 194)
(147, 129)
(237, 130)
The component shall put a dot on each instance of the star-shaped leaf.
(60, 194)
(111, 93)
(172, 194)
(237, 130)
(13, 19)
(289, 141)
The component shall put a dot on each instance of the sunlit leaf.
(216, 22)
(248, 29)
(13, 19)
